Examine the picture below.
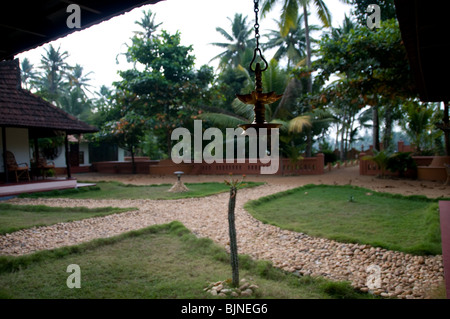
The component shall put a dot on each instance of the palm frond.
(224, 33)
(323, 12)
(242, 109)
(288, 101)
(266, 6)
(297, 124)
(284, 124)
(222, 120)
(289, 16)
(301, 63)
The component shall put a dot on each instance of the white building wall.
(121, 154)
(17, 143)
(84, 147)
(60, 161)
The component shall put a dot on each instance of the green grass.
(356, 215)
(16, 217)
(117, 190)
(164, 261)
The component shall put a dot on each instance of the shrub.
(330, 156)
(400, 162)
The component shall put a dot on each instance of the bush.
(400, 162)
(330, 156)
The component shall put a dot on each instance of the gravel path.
(400, 275)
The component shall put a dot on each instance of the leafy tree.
(230, 81)
(419, 124)
(127, 132)
(165, 82)
(359, 11)
(344, 107)
(374, 64)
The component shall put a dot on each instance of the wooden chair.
(19, 169)
(45, 166)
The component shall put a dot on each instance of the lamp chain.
(256, 26)
(257, 36)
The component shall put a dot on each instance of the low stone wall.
(73, 169)
(306, 166)
(122, 167)
(370, 168)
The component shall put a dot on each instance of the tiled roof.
(21, 108)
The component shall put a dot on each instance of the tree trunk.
(388, 129)
(342, 155)
(308, 150)
(133, 164)
(336, 143)
(347, 134)
(232, 232)
(169, 143)
(376, 128)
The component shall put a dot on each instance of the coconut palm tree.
(282, 112)
(418, 123)
(289, 15)
(56, 69)
(75, 103)
(148, 24)
(293, 45)
(238, 42)
(27, 74)
(79, 80)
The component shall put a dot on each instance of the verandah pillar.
(67, 153)
(5, 164)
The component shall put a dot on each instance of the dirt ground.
(342, 176)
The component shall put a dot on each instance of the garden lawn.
(352, 214)
(117, 190)
(163, 261)
(16, 217)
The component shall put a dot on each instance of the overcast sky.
(97, 47)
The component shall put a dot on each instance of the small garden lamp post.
(179, 173)
(178, 187)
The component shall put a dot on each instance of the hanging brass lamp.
(257, 97)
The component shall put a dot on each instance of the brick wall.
(306, 166)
